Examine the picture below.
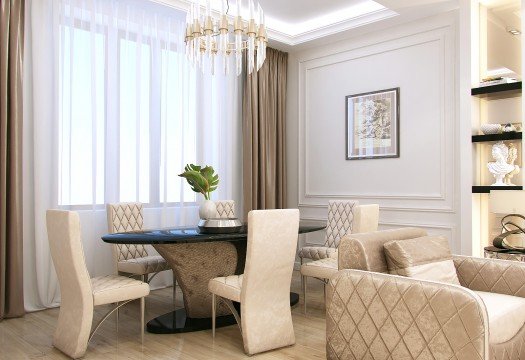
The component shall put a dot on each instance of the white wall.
(421, 187)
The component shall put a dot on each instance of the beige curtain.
(264, 118)
(11, 54)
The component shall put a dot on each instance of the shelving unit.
(507, 90)
(487, 189)
(497, 137)
(494, 92)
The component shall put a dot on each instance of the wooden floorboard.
(30, 337)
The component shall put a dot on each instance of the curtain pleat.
(11, 56)
(264, 116)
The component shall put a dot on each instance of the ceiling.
(298, 22)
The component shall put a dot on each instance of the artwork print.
(372, 125)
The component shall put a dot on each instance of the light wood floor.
(30, 337)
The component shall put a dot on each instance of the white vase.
(207, 210)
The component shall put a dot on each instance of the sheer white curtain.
(113, 113)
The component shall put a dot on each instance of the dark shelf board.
(497, 137)
(510, 89)
(486, 189)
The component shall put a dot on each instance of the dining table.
(195, 258)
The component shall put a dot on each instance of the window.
(128, 109)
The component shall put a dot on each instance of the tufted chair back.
(225, 209)
(340, 221)
(125, 217)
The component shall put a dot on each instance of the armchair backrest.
(125, 217)
(365, 251)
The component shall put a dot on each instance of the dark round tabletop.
(184, 235)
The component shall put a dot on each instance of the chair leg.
(302, 280)
(174, 291)
(304, 292)
(142, 309)
(118, 315)
(144, 278)
(213, 309)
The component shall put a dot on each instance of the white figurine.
(513, 155)
(500, 168)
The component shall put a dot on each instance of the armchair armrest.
(491, 275)
(370, 314)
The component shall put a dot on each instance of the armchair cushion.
(425, 258)
(506, 315)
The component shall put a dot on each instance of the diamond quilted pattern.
(340, 220)
(225, 209)
(490, 275)
(124, 217)
(339, 223)
(376, 316)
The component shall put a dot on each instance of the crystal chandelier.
(210, 37)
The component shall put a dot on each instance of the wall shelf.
(497, 137)
(487, 189)
(495, 91)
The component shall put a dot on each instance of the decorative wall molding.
(442, 200)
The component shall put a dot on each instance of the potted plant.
(202, 180)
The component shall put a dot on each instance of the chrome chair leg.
(213, 310)
(304, 292)
(302, 280)
(118, 315)
(142, 309)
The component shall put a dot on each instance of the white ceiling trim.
(329, 29)
(291, 34)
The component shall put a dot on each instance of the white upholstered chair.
(79, 292)
(264, 289)
(225, 209)
(133, 259)
(344, 217)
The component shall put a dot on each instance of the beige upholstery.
(132, 259)
(425, 258)
(266, 321)
(225, 209)
(320, 269)
(381, 316)
(343, 216)
(228, 287)
(79, 293)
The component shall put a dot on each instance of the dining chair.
(344, 217)
(80, 293)
(225, 209)
(263, 291)
(133, 259)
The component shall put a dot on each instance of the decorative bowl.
(489, 129)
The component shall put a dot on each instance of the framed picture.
(372, 125)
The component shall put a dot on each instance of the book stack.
(496, 80)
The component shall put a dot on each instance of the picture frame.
(372, 125)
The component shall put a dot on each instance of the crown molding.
(313, 33)
(330, 29)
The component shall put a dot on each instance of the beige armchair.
(79, 293)
(374, 315)
(344, 217)
(264, 289)
(133, 259)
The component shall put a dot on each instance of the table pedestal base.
(177, 322)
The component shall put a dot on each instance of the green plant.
(201, 179)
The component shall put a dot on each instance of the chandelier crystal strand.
(209, 36)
